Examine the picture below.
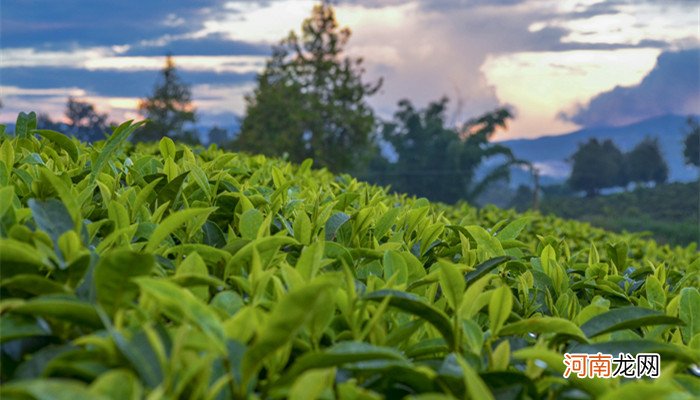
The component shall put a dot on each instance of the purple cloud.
(671, 87)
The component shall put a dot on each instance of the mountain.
(549, 153)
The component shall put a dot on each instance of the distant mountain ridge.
(550, 153)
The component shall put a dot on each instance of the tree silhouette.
(84, 121)
(310, 99)
(691, 151)
(218, 135)
(169, 108)
(645, 163)
(439, 162)
(596, 166)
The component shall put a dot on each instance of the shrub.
(165, 271)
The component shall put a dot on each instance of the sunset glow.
(544, 59)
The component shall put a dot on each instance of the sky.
(559, 65)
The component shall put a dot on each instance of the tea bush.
(163, 271)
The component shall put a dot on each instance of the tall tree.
(439, 162)
(169, 107)
(597, 166)
(84, 121)
(645, 163)
(310, 100)
(691, 152)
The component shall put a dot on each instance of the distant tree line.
(600, 165)
(311, 101)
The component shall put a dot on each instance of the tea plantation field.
(167, 272)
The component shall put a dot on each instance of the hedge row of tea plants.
(168, 272)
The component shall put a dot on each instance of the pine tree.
(169, 108)
(310, 99)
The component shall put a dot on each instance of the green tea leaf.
(61, 307)
(113, 277)
(513, 229)
(334, 223)
(499, 308)
(452, 284)
(340, 354)
(13, 326)
(666, 350)
(167, 147)
(414, 305)
(625, 318)
(484, 268)
(395, 266)
(250, 223)
(385, 222)
(476, 388)
(544, 325)
(34, 284)
(18, 258)
(118, 384)
(194, 265)
(655, 293)
(61, 140)
(118, 137)
(172, 222)
(49, 389)
(51, 216)
(289, 315)
(178, 303)
(485, 241)
(689, 312)
(171, 189)
(313, 384)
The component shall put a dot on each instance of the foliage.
(668, 212)
(645, 163)
(84, 122)
(169, 108)
(164, 271)
(218, 136)
(597, 166)
(691, 151)
(310, 100)
(437, 161)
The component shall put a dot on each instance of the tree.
(310, 99)
(645, 163)
(218, 135)
(169, 108)
(43, 121)
(84, 122)
(597, 166)
(691, 152)
(440, 162)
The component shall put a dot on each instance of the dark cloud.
(550, 39)
(672, 87)
(213, 45)
(98, 22)
(594, 10)
(107, 82)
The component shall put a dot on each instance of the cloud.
(109, 82)
(672, 87)
(423, 48)
(101, 58)
(93, 23)
(212, 45)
